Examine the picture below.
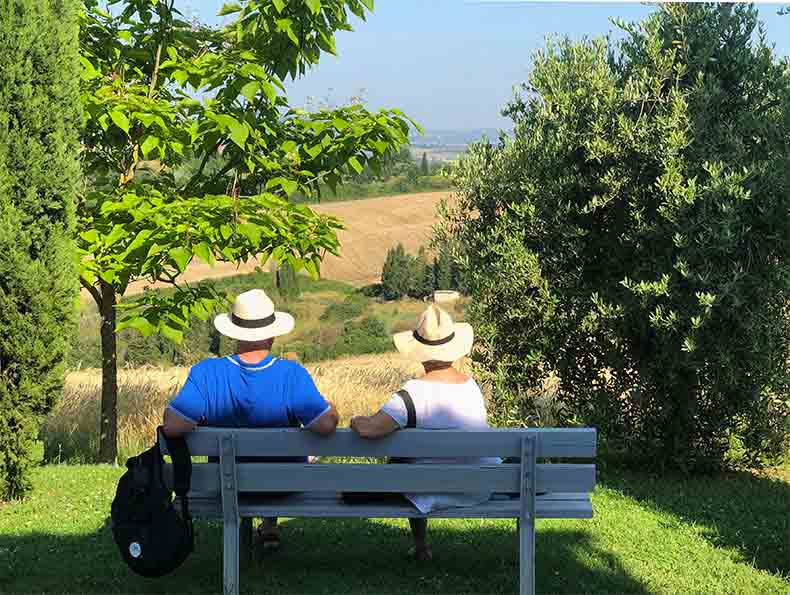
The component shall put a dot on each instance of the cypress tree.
(444, 270)
(39, 120)
(396, 273)
(287, 282)
(423, 275)
(425, 169)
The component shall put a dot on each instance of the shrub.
(396, 274)
(634, 237)
(351, 307)
(368, 335)
(39, 117)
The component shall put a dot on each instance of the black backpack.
(153, 537)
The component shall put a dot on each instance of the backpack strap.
(182, 469)
(411, 413)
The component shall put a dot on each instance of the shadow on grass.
(739, 510)
(327, 556)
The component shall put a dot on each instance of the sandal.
(421, 554)
(268, 541)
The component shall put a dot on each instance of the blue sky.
(452, 64)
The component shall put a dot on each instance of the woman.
(442, 399)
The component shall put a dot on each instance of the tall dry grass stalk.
(358, 386)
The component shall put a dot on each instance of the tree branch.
(93, 291)
(152, 86)
(199, 172)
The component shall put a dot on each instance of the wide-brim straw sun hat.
(436, 338)
(253, 318)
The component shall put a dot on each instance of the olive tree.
(633, 237)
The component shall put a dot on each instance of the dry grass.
(358, 386)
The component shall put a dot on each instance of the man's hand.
(375, 426)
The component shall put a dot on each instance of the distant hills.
(452, 138)
(447, 145)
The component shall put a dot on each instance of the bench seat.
(329, 505)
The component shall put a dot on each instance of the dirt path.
(373, 226)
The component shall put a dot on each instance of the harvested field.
(373, 226)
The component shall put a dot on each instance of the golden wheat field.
(372, 227)
(358, 386)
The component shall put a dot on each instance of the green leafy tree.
(396, 274)
(39, 116)
(423, 275)
(634, 238)
(287, 282)
(425, 169)
(443, 270)
(246, 149)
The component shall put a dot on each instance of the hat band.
(257, 323)
(420, 339)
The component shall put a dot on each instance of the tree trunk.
(108, 440)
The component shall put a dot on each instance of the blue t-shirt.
(226, 392)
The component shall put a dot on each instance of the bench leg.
(527, 556)
(231, 556)
(245, 540)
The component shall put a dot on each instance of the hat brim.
(459, 347)
(282, 325)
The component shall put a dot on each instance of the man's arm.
(175, 425)
(374, 426)
(326, 423)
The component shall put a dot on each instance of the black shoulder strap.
(410, 411)
(182, 468)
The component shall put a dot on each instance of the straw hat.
(253, 318)
(436, 338)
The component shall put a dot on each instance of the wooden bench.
(235, 491)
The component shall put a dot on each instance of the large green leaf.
(181, 257)
(314, 5)
(149, 144)
(120, 120)
(250, 90)
(251, 232)
(229, 8)
(356, 165)
(173, 334)
(91, 236)
(137, 323)
(203, 252)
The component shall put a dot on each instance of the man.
(251, 388)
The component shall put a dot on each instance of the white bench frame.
(218, 490)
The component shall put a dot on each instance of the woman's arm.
(374, 426)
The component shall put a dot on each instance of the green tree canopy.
(159, 92)
(634, 236)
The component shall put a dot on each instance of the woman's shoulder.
(465, 384)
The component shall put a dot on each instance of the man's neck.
(253, 356)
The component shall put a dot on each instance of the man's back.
(270, 393)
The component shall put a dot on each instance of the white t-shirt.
(443, 406)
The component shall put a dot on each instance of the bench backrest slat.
(551, 442)
(416, 478)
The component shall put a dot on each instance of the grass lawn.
(726, 534)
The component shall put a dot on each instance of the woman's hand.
(375, 426)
